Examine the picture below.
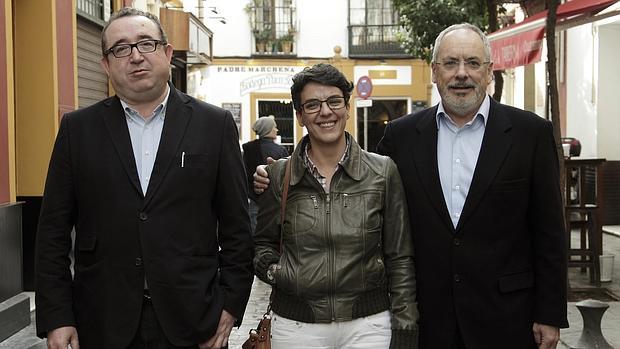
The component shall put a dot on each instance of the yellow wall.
(36, 92)
(8, 12)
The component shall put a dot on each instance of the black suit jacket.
(504, 266)
(173, 235)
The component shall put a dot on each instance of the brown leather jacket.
(345, 254)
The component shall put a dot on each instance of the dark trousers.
(149, 334)
(458, 340)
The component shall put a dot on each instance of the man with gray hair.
(484, 201)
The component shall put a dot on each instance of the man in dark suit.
(153, 182)
(485, 208)
(259, 151)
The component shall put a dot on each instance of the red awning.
(521, 43)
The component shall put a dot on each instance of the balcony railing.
(92, 9)
(273, 29)
(375, 41)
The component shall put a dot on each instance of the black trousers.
(150, 334)
(458, 340)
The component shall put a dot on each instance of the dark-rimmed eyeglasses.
(453, 65)
(314, 105)
(143, 46)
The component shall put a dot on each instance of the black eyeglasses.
(314, 105)
(453, 65)
(143, 46)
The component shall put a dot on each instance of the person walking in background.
(341, 261)
(482, 184)
(257, 152)
(153, 182)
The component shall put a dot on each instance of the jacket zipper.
(314, 201)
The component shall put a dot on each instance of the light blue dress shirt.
(145, 134)
(457, 155)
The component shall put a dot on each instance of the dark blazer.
(504, 266)
(171, 235)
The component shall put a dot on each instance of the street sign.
(364, 87)
(363, 103)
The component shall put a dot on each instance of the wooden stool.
(585, 218)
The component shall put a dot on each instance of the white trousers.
(371, 332)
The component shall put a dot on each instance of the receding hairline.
(486, 46)
(105, 31)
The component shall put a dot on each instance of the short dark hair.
(129, 12)
(322, 73)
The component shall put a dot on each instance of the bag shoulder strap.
(285, 185)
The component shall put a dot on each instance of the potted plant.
(262, 37)
(286, 40)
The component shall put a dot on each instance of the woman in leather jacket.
(341, 262)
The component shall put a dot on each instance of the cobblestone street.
(253, 313)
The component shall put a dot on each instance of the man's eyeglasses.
(143, 46)
(314, 105)
(453, 65)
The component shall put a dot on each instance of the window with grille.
(273, 25)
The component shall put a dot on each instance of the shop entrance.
(285, 119)
(381, 112)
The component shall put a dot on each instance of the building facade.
(259, 45)
(586, 38)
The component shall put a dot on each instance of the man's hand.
(61, 337)
(220, 338)
(546, 336)
(261, 179)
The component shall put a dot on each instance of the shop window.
(381, 112)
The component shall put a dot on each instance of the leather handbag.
(260, 337)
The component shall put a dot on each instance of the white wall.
(608, 101)
(518, 97)
(321, 25)
(219, 84)
(235, 37)
(580, 91)
(540, 82)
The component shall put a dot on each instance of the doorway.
(283, 112)
(381, 112)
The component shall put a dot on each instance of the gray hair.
(467, 26)
(130, 12)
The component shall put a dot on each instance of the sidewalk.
(610, 324)
(25, 339)
(568, 337)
